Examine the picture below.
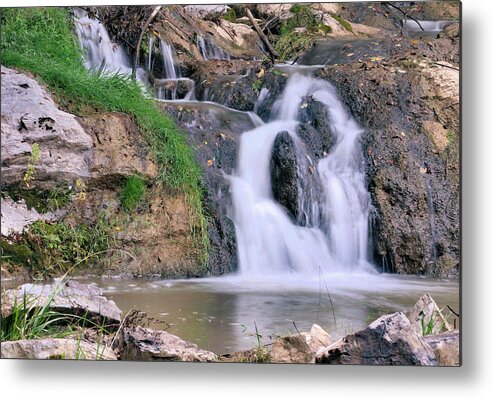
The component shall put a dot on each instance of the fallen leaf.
(261, 73)
(350, 54)
(209, 162)
(376, 59)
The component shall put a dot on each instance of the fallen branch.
(405, 14)
(273, 54)
(446, 66)
(141, 36)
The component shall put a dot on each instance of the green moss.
(41, 40)
(345, 24)
(290, 45)
(16, 253)
(133, 192)
(297, 8)
(230, 15)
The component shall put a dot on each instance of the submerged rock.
(142, 344)
(69, 297)
(50, 348)
(390, 340)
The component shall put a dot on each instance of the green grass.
(133, 192)
(41, 41)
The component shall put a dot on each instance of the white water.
(168, 54)
(268, 240)
(210, 51)
(100, 52)
(428, 26)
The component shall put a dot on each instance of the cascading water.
(171, 71)
(210, 51)
(100, 52)
(269, 242)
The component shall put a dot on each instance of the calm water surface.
(219, 314)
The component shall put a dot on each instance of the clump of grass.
(42, 200)
(230, 15)
(41, 40)
(290, 45)
(345, 24)
(133, 192)
(58, 246)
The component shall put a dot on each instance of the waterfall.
(171, 70)
(428, 26)
(269, 242)
(210, 51)
(149, 56)
(100, 52)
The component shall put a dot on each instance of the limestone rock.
(317, 338)
(446, 346)
(71, 298)
(56, 349)
(120, 149)
(142, 344)
(390, 340)
(28, 116)
(291, 349)
(426, 315)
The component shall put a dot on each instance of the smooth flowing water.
(269, 241)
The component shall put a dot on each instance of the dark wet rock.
(390, 340)
(173, 89)
(314, 129)
(68, 297)
(50, 348)
(142, 344)
(446, 347)
(284, 173)
(412, 166)
(214, 131)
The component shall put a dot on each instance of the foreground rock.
(426, 317)
(299, 348)
(446, 347)
(142, 344)
(390, 340)
(68, 298)
(56, 349)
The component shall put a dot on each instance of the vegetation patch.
(42, 200)
(133, 192)
(41, 41)
(345, 24)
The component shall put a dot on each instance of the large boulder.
(284, 173)
(426, 317)
(446, 347)
(69, 297)
(30, 116)
(390, 340)
(142, 344)
(50, 348)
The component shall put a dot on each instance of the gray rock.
(426, 317)
(390, 340)
(29, 115)
(142, 344)
(446, 347)
(70, 298)
(56, 349)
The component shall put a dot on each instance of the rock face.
(120, 150)
(390, 340)
(29, 115)
(284, 173)
(410, 112)
(56, 349)
(291, 349)
(426, 317)
(446, 347)
(141, 344)
(70, 298)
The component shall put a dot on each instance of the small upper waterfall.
(268, 239)
(100, 52)
(210, 51)
(171, 69)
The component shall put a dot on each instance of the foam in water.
(428, 26)
(269, 242)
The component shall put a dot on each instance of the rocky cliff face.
(409, 107)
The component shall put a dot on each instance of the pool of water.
(220, 314)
